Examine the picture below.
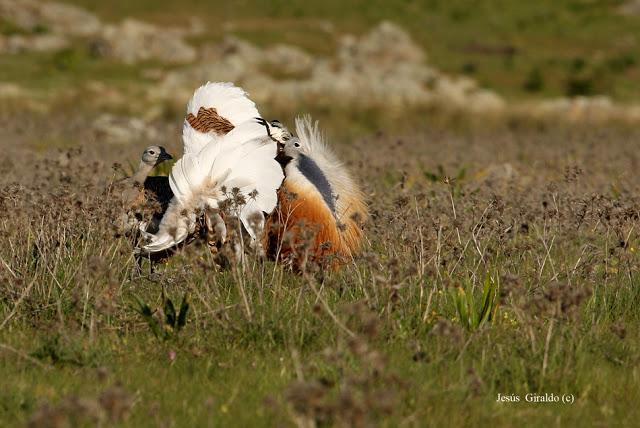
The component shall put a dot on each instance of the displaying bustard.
(229, 157)
(320, 209)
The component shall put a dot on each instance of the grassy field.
(517, 275)
(501, 257)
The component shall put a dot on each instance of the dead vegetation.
(499, 259)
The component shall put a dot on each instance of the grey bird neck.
(143, 172)
(312, 172)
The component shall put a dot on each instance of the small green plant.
(8, 28)
(440, 176)
(469, 68)
(67, 59)
(579, 86)
(534, 81)
(60, 350)
(621, 62)
(164, 323)
(471, 313)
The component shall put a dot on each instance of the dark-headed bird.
(137, 191)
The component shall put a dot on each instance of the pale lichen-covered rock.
(630, 8)
(384, 47)
(578, 109)
(123, 129)
(382, 68)
(46, 16)
(18, 43)
(288, 61)
(134, 41)
(48, 25)
(465, 94)
(11, 90)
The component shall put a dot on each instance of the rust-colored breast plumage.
(303, 228)
(208, 120)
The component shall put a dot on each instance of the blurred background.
(122, 70)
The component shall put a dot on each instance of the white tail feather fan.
(230, 102)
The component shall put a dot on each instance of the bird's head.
(293, 148)
(279, 132)
(155, 155)
(289, 150)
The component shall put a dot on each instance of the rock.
(630, 8)
(575, 108)
(11, 90)
(59, 18)
(499, 173)
(71, 20)
(133, 41)
(465, 94)
(233, 49)
(384, 47)
(122, 129)
(288, 61)
(37, 43)
(383, 68)
(233, 60)
(580, 109)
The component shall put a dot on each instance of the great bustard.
(229, 155)
(321, 209)
(137, 191)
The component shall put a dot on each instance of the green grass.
(66, 69)
(388, 340)
(239, 379)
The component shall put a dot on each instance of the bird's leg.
(136, 271)
(256, 223)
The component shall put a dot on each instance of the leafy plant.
(8, 28)
(164, 323)
(440, 176)
(67, 59)
(534, 81)
(579, 86)
(474, 313)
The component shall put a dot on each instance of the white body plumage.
(228, 152)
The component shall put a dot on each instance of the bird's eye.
(296, 144)
(151, 152)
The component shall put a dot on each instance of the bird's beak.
(281, 157)
(164, 156)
